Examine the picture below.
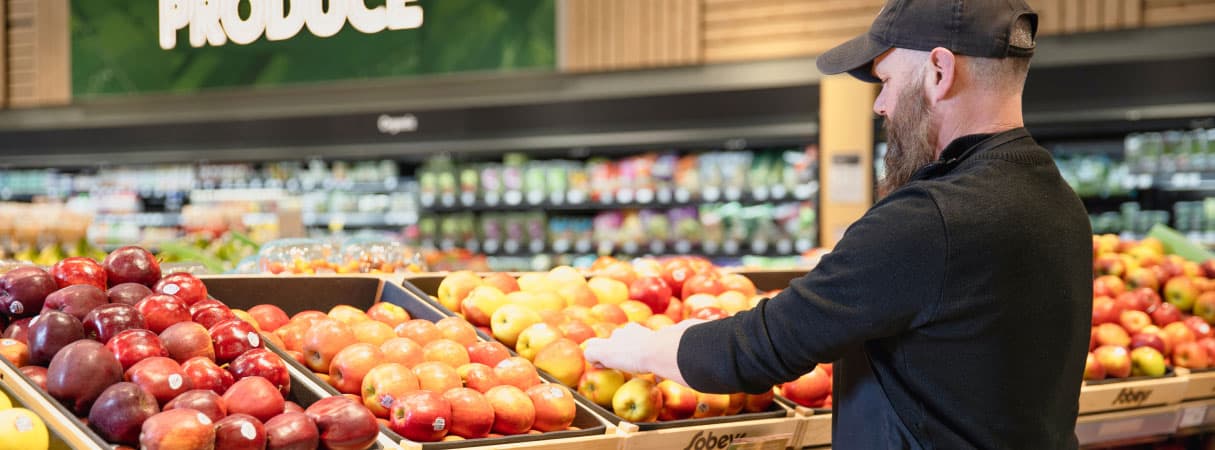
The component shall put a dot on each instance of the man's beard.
(910, 142)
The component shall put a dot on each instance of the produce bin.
(295, 294)
(814, 427)
(1201, 383)
(1130, 393)
(64, 429)
(1126, 425)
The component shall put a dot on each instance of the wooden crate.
(1200, 384)
(1116, 396)
(611, 441)
(814, 430)
(714, 436)
(1126, 425)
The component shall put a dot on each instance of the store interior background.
(624, 127)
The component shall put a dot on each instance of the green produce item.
(184, 252)
(1177, 244)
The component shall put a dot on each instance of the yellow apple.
(658, 322)
(455, 287)
(481, 304)
(535, 338)
(579, 313)
(639, 400)
(732, 302)
(565, 276)
(636, 311)
(754, 301)
(698, 301)
(609, 291)
(347, 314)
(510, 320)
(534, 282)
(563, 360)
(599, 385)
(578, 294)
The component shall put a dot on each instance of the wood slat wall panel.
(737, 30)
(1190, 12)
(601, 35)
(37, 68)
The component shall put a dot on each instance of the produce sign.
(193, 45)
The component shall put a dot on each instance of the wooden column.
(39, 53)
(607, 35)
(846, 149)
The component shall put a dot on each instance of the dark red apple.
(19, 329)
(203, 400)
(182, 285)
(80, 372)
(106, 321)
(206, 303)
(160, 311)
(211, 314)
(132, 346)
(183, 429)
(256, 397)
(233, 337)
(50, 332)
(292, 407)
(240, 432)
(160, 376)
(128, 293)
(36, 374)
(652, 291)
(131, 265)
(205, 374)
(77, 300)
(79, 270)
(120, 411)
(343, 424)
(185, 340)
(24, 289)
(1164, 314)
(292, 431)
(262, 363)
(1148, 340)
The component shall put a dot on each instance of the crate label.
(1132, 397)
(700, 441)
(1120, 427)
(1192, 416)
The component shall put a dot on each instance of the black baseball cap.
(979, 28)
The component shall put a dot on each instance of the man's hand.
(637, 349)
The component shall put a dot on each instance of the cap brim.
(855, 57)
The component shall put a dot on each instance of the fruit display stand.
(1131, 426)
(1115, 395)
(296, 294)
(1200, 385)
(64, 430)
(813, 428)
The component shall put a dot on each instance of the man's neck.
(979, 118)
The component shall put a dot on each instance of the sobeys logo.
(1128, 396)
(215, 22)
(711, 442)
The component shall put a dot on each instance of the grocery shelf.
(782, 247)
(1123, 426)
(621, 199)
(143, 219)
(361, 219)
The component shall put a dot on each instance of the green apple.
(1147, 361)
(638, 400)
(1181, 292)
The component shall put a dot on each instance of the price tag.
(576, 197)
(803, 192)
(535, 197)
(664, 195)
(784, 246)
(582, 246)
(658, 247)
(561, 246)
(645, 196)
(511, 246)
(759, 246)
(760, 193)
(513, 197)
(1120, 427)
(1193, 416)
(733, 193)
(556, 198)
(682, 195)
(427, 199)
(467, 198)
(803, 245)
(625, 196)
(491, 246)
(683, 247)
(492, 198)
(779, 191)
(711, 194)
(630, 248)
(730, 247)
(448, 200)
(473, 245)
(536, 246)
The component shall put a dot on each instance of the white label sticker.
(172, 289)
(203, 419)
(664, 195)
(440, 424)
(175, 381)
(682, 195)
(576, 197)
(23, 424)
(448, 200)
(1193, 416)
(17, 308)
(514, 197)
(645, 196)
(733, 193)
(779, 191)
(760, 193)
(556, 198)
(254, 339)
(491, 198)
(386, 400)
(535, 197)
(711, 194)
(248, 431)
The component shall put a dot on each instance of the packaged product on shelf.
(687, 229)
(375, 255)
(687, 178)
(535, 225)
(491, 184)
(603, 180)
(713, 228)
(535, 186)
(657, 230)
(734, 170)
(578, 183)
(556, 180)
(607, 226)
(297, 256)
(491, 231)
(428, 186)
(469, 178)
(513, 168)
(516, 233)
(663, 174)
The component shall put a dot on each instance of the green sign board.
(146, 46)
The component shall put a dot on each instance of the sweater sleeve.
(884, 277)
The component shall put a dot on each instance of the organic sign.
(182, 46)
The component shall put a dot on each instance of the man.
(957, 308)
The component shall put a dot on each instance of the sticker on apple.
(386, 400)
(23, 424)
(254, 339)
(175, 381)
(16, 308)
(203, 419)
(172, 289)
(440, 424)
(247, 430)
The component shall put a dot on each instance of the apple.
(488, 353)
(15, 352)
(518, 372)
(514, 412)
(292, 431)
(1181, 292)
(254, 396)
(675, 272)
(1108, 264)
(455, 288)
(1148, 299)
(131, 264)
(80, 372)
(347, 314)
(652, 292)
(604, 329)
(510, 320)
(810, 389)
(290, 406)
(233, 337)
(120, 411)
(1165, 314)
(554, 405)
(658, 322)
(578, 294)
(563, 275)
(185, 340)
(403, 351)
(535, 337)
(50, 332)
(77, 300)
(620, 271)
(709, 313)
(1112, 334)
(504, 282)
(1105, 310)
(600, 385)
(203, 373)
(18, 330)
(755, 403)
(734, 282)
(638, 400)
(292, 335)
(160, 311)
(1141, 278)
(678, 401)
(608, 290)
(182, 285)
(349, 366)
(1204, 306)
(1190, 355)
(385, 383)
(419, 330)
(421, 416)
(675, 310)
(1115, 360)
(635, 311)
(733, 302)
(344, 424)
(106, 321)
(478, 377)
(436, 377)
(323, 341)
(209, 313)
(1147, 361)
(202, 400)
(711, 405)
(1108, 286)
(472, 416)
(481, 303)
(269, 317)
(1208, 344)
(536, 300)
(240, 432)
(1199, 326)
(1177, 332)
(1152, 340)
(260, 362)
(23, 291)
(372, 332)
(1093, 370)
(609, 313)
(177, 429)
(457, 329)
(160, 376)
(128, 293)
(79, 270)
(563, 360)
(703, 283)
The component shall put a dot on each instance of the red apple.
(384, 384)
(80, 372)
(810, 389)
(1190, 355)
(555, 407)
(675, 272)
(240, 432)
(403, 351)
(478, 377)
(1142, 278)
(289, 407)
(1115, 360)
(343, 423)
(709, 313)
(1134, 320)
(36, 374)
(233, 337)
(177, 429)
(421, 416)
(120, 411)
(269, 317)
(323, 341)
(350, 365)
(77, 300)
(472, 416)
(185, 340)
(202, 400)
(160, 311)
(209, 313)
(678, 401)
(205, 374)
(703, 283)
(182, 285)
(24, 290)
(1208, 344)
(1148, 340)
(131, 265)
(1105, 310)
(106, 321)
(1093, 370)
(518, 372)
(263, 363)
(49, 333)
(1199, 326)
(436, 377)
(488, 353)
(1108, 286)
(652, 291)
(79, 270)
(256, 397)
(160, 376)
(128, 293)
(421, 331)
(132, 346)
(292, 431)
(18, 330)
(1165, 314)
(514, 412)
(1112, 334)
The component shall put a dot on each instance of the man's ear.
(940, 74)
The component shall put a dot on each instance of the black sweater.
(957, 311)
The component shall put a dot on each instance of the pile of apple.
(432, 381)
(812, 390)
(1150, 309)
(546, 317)
(153, 361)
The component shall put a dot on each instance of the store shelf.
(783, 247)
(622, 199)
(360, 219)
(1130, 425)
(144, 219)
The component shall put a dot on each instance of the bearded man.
(957, 309)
